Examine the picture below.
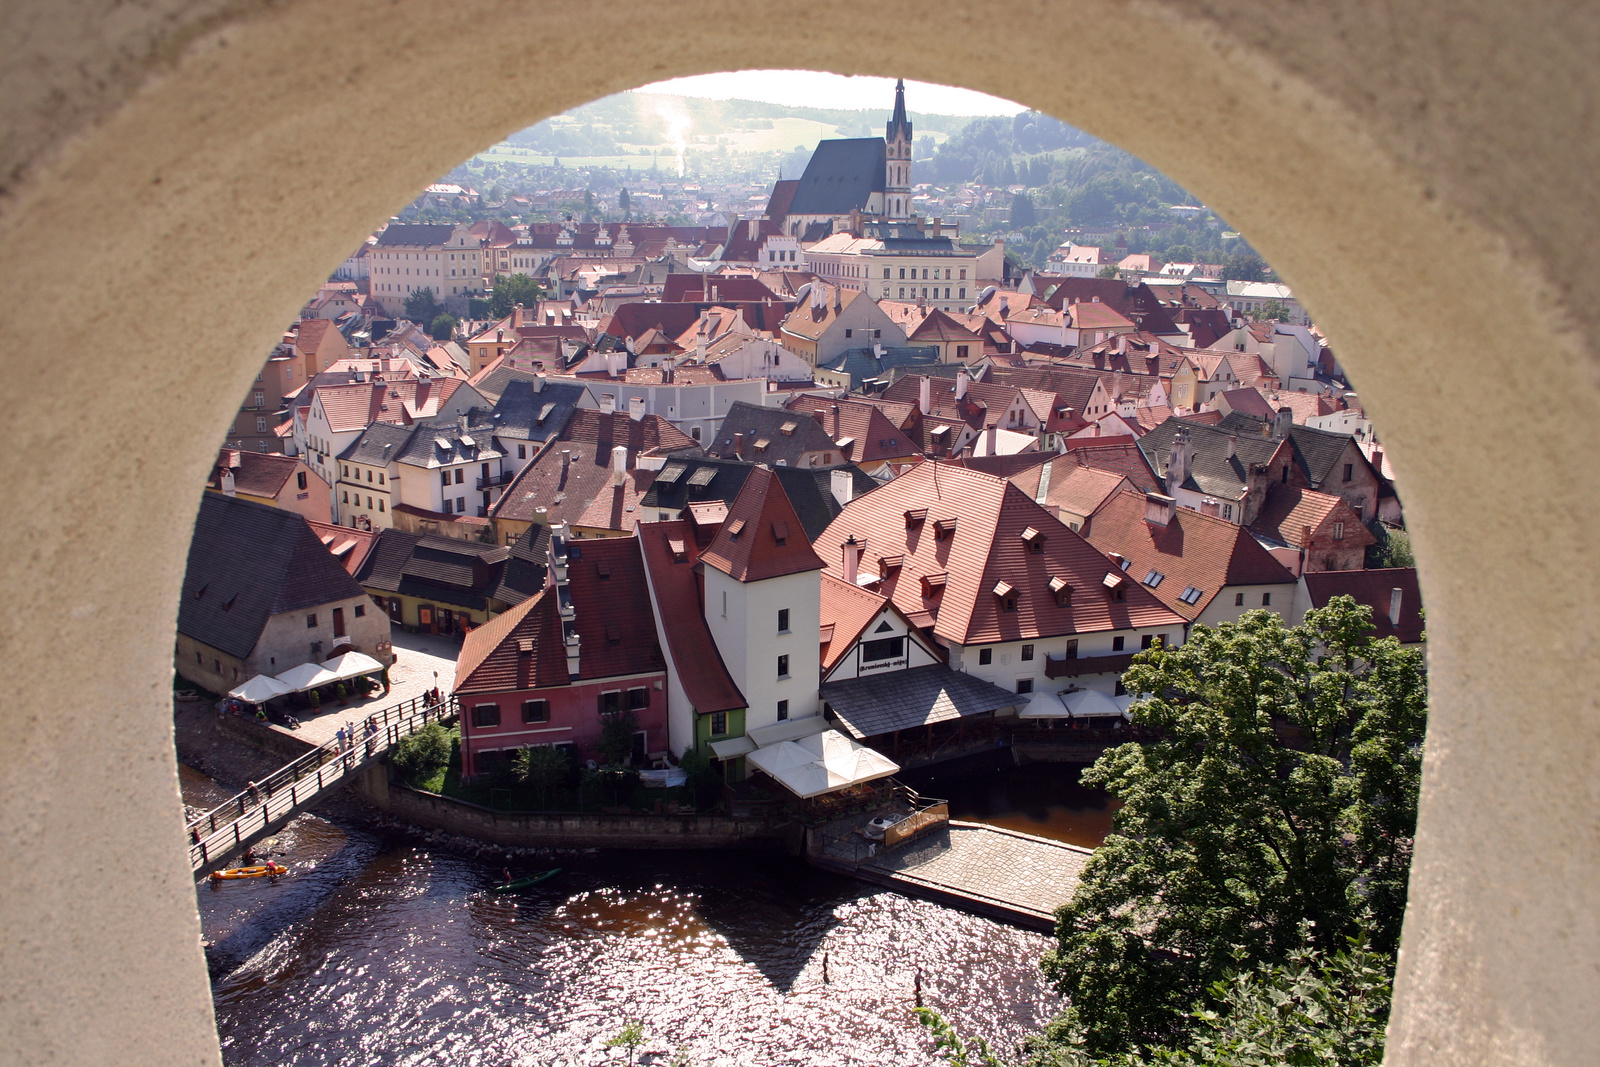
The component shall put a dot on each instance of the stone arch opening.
(190, 148)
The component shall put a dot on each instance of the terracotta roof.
(1247, 401)
(762, 536)
(350, 547)
(1120, 455)
(491, 657)
(1135, 302)
(1290, 509)
(254, 473)
(937, 327)
(1194, 555)
(704, 676)
(984, 548)
(582, 494)
(1375, 588)
(874, 433)
(846, 610)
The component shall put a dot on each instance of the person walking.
(372, 733)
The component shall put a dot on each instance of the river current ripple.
(378, 950)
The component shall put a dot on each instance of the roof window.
(1190, 595)
(1154, 578)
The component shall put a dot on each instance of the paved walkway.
(1003, 872)
(417, 657)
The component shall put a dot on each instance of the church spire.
(899, 121)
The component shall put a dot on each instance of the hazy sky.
(805, 88)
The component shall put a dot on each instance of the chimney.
(226, 482)
(1178, 461)
(608, 403)
(232, 458)
(636, 408)
(619, 464)
(852, 558)
(924, 394)
(961, 383)
(738, 446)
(539, 382)
(1158, 508)
(1377, 460)
(1233, 446)
(572, 641)
(461, 423)
(1395, 596)
(834, 409)
(843, 485)
(993, 441)
(566, 463)
(1282, 421)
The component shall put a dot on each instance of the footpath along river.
(381, 949)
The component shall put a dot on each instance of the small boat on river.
(265, 870)
(525, 883)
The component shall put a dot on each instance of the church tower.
(897, 176)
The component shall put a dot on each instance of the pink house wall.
(574, 718)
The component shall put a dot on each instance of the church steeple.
(897, 164)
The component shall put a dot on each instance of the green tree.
(1283, 792)
(443, 326)
(421, 755)
(704, 781)
(630, 1037)
(1107, 271)
(623, 202)
(1022, 213)
(616, 735)
(1275, 310)
(1391, 549)
(1244, 267)
(422, 306)
(511, 290)
(542, 768)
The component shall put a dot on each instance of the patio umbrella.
(307, 676)
(352, 665)
(259, 690)
(1091, 704)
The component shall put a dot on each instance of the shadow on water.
(1044, 799)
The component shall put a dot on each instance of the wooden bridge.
(229, 827)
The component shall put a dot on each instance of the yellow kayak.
(263, 871)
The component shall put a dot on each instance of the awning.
(307, 676)
(733, 747)
(788, 730)
(1044, 706)
(1091, 703)
(352, 665)
(822, 763)
(259, 690)
(902, 700)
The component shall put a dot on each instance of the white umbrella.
(259, 690)
(1043, 706)
(352, 665)
(1090, 703)
(307, 676)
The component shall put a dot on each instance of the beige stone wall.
(1448, 148)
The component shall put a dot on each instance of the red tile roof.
(350, 547)
(846, 610)
(254, 473)
(1119, 455)
(762, 536)
(616, 638)
(704, 676)
(1192, 550)
(1290, 509)
(985, 548)
(1375, 588)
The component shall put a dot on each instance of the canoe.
(524, 883)
(263, 871)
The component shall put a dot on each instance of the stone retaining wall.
(567, 830)
(267, 737)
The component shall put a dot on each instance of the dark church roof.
(841, 176)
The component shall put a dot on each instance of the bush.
(423, 754)
(704, 782)
(616, 736)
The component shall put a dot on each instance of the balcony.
(1078, 666)
(496, 481)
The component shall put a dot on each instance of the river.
(381, 950)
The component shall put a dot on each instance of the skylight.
(1190, 595)
(1154, 578)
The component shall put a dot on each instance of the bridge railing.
(229, 824)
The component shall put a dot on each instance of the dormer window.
(735, 528)
(933, 584)
(1061, 591)
(916, 517)
(1034, 540)
(680, 552)
(889, 564)
(602, 569)
(1006, 593)
(780, 533)
(944, 528)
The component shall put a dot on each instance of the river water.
(378, 949)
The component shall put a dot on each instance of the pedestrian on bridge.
(340, 737)
(372, 733)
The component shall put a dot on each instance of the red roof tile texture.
(694, 653)
(762, 536)
(1375, 588)
(984, 549)
(846, 610)
(1191, 551)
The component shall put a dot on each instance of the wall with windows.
(751, 643)
(887, 643)
(559, 715)
(1020, 665)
